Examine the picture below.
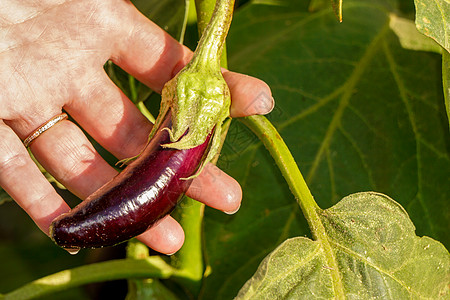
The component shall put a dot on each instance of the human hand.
(52, 55)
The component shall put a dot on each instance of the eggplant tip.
(72, 251)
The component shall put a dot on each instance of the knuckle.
(37, 201)
(11, 157)
(11, 161)
(75, 162)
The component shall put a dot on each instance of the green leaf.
(358, 111)
(271, 2)
(316, 5)
(410, 37)
(433, 20)
(337, 7)
(378, 254)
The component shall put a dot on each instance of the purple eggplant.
(148, 189)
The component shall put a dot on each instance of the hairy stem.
(213, 24)
(204, 9)
(189, 260)
(272, 140)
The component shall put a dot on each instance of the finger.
(154, 57)
(166, 237)
(66, 153)
(147, 51)
(216, 189)
(103, 110)
(24, 182)
(249, 95)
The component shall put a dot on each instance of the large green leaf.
(446, 81)
(358, 111)
(377, 252)
(433, 20)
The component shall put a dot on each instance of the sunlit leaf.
(410, 37)
(376, 250)
(433, 20)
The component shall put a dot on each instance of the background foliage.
(359, 113)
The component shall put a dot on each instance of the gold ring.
(43, 128)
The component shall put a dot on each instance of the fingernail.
(264, 104)
(232, 212)
(273, 106)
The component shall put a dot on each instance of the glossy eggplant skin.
(142, 194)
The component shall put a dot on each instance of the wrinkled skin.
(52, 55)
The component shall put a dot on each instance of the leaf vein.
(301, 263)
(345, 99)
(368, 263)
(404, 97)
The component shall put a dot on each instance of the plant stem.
(139, 104)
(204, 9)
(272, 140)
(133, 89)
(213, 33)
(189, 260)
(98, 272)
(144, 110)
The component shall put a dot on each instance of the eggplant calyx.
(199, 103)
(198, 96)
